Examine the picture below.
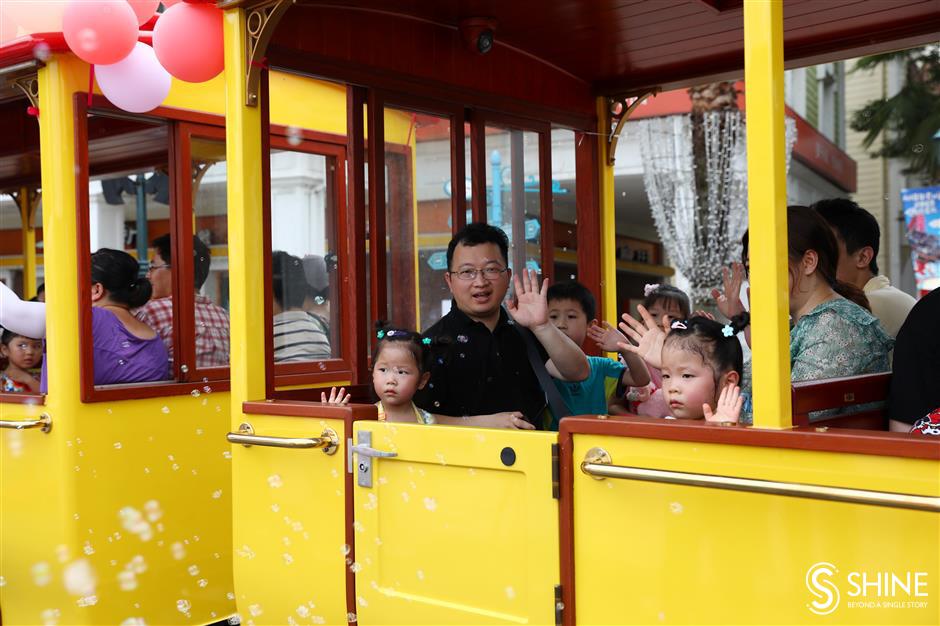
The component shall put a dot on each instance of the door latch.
(366, 453)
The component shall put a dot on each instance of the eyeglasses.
(489, 273)
(154, 268)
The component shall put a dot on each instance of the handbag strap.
(555, 402)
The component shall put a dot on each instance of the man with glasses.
(480, 357)
(212, 322)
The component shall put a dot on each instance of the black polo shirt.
(915, 382)
(478, 372)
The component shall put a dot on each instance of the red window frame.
(183, 382)
(328, 370)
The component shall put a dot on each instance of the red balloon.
(144, 9)
(188, 41)
(99, 31)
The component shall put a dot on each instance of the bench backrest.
(859, 402)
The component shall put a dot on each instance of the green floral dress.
(837, 338)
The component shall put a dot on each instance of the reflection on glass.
(418, 216)
(304, 265)
(564, 204)
(210, 264)
(513, 194)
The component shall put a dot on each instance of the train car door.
(291, 537)
(453, 525)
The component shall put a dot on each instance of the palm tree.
(908, 120)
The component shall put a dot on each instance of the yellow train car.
(338, 133)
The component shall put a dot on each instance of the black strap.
(555, 402)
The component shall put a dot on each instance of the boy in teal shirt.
(570, 306)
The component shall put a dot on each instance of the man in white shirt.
(857, 234)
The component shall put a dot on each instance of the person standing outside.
(480, 363)
(857, 235)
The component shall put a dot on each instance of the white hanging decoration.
(699, 240)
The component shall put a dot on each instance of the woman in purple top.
(125, 349)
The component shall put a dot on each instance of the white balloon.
(136, 83)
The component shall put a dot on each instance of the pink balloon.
(144, 9)
(25, 17)
(137, 83)
(188, 41)
(168, 3)
(99, 31)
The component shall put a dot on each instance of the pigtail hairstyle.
(118, 272)
(715, 342)
(667, 294)
(419, 345)
(808, 230)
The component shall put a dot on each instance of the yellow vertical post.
(767, 212)
(606, 200)
(28, 232)
(58, 81)
(245, 215)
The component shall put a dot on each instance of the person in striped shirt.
(298, 335)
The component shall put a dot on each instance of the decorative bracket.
(261, 20)
(27, 204)
(29, 85)
(619, 109)
(24, 77)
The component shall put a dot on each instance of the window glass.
(564, 205)
(512, 202)
(305, 288)
(129, 205)
(418, 216)
(210, 252)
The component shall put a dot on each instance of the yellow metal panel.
(767, 214)
(122, 512)
(659, 553)
(290, 520)
(448, 534)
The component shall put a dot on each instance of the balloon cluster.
(187, 44)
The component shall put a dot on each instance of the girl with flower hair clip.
(701, 363)
(660, 301)
(400, 368)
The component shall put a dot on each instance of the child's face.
(688, 383)
(665, 307)
(395, 375)
(569, 318)
(23, 352)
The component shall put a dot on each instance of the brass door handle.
(44, 423)
(328, 441)
(598, 464)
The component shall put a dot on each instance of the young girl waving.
(400, 368)
(701, 362)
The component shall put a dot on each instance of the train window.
(307, 194)
(418, 190)
(209, 228)
(564, 205)
(513, 193)
(126, 204)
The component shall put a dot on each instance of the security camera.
(477, 34)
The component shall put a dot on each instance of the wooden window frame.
(379, 100)
(479, 120)
(176, 121)
(332, 147)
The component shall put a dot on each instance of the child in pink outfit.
(659, 300)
